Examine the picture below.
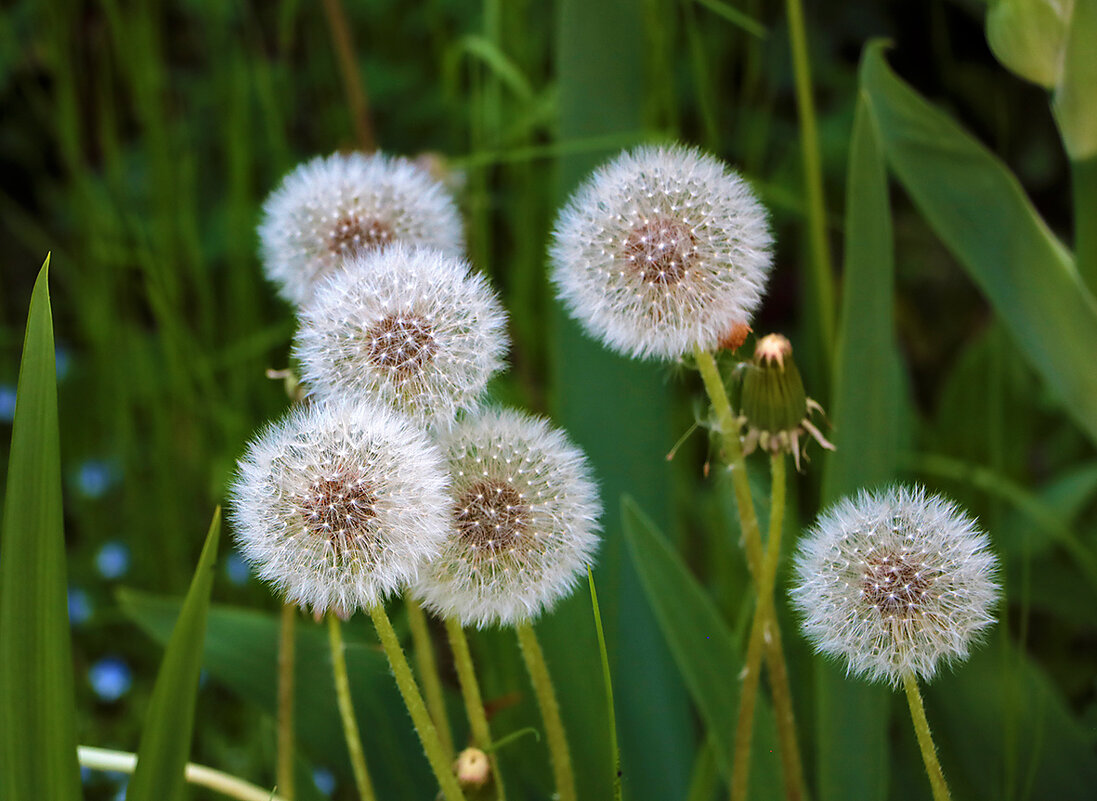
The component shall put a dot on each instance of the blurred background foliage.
(137, 142)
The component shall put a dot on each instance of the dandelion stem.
(428, 672)
(223, 783)
(474, 703)
(346, 710)
(286, 665)
(925, 739)
(795, 787)
(763, 611)
(417, 708)
(550, 712)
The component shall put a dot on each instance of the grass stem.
(357, 100)
(550, 712)
(286, 665)
(346, 710)
(925, 739)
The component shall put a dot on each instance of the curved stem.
(550, 712)
(286, 664)
(428, 672)
(223, 783)
(417, 708)
(925, 739)
(346, 710)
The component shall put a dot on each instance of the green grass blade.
(979, 210)
(37, 706)
(607, 679)
(169, 721)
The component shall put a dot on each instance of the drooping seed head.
(895, 581)
(330, 209)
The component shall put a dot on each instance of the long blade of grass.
(169, 721)
(608, 680)
(37, 707)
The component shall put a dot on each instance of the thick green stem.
(346, 710)
(417, 708)
(795, 788)
(428, 672)
(286, 664)
(474, 703)
(550, 712)
(1084, 178)
(925, 739)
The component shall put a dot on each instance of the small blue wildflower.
(113, 560)
(110, 678)
(324, 780)
(79, 606)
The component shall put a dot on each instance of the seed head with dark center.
(661, 250)
(341, 509)
(896, 584)
(491, 515)
(352, 233)
(403, 343)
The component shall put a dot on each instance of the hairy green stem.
(550, 712)
(417, 707)
(346, 710)
(428, 672)
(1084, 178)
(474, 702)
(286, 664)
(925, 739)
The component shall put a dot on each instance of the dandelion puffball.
(339, 505)
(524, 521)
(895, 581)
(662, 250)
(331, 208)
(410, 326)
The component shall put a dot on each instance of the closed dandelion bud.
(329, 209)
(1028, 37)
(895, 582)
(661, 251)
(339, 505)
(410, 326)
(774, 407)
(524, 521)
(472, 768)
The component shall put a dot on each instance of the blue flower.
(113, 560)
(110, 678)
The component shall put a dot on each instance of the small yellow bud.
(1028, 37)
(472, 768)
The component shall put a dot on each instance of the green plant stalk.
(822, 272)
(199, 775)
(352, 78)
(346, 710)
(1084, 178)
(474, 702)
(763, 611)
(925, 739)
(550, 712)
(428, 672)
(287, 640)
(752, 544)
(417, 708)
(607, 678)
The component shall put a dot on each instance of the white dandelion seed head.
(662, 250)
(895, 581)
(338, 505)
(330, 208)
(524, 524)
(410, 326)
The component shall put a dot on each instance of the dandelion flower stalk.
(428, 671)
(474, 702)
(925, 739)
(286, 664)
(346, 710)
(550, 712)
(417, 707)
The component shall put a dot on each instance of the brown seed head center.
(491, 514)
(403, 343)
(661, 250)
(352, 233)
(895, 584)
(340, 508)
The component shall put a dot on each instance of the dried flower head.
(338, 505)
(524, 521)
(410, 326)
(329, 209)
(662, 250)
(895, 581)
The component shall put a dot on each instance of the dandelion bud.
(339, 505)
(895, 582)
(410, 326)
(662, 250)
(1028, 37)
(472, 768)
(329, 209)
(523, 526)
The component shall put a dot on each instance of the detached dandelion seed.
(339, 505)
(662, 251)
(329, 209)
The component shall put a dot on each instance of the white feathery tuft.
(524, 522)
(338, 505)
(411, 326)
(662, 250)
(329, 209)
(895, 581)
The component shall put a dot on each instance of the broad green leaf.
(169, 720)
(37, 707)
(704, 650)
(979, 210)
